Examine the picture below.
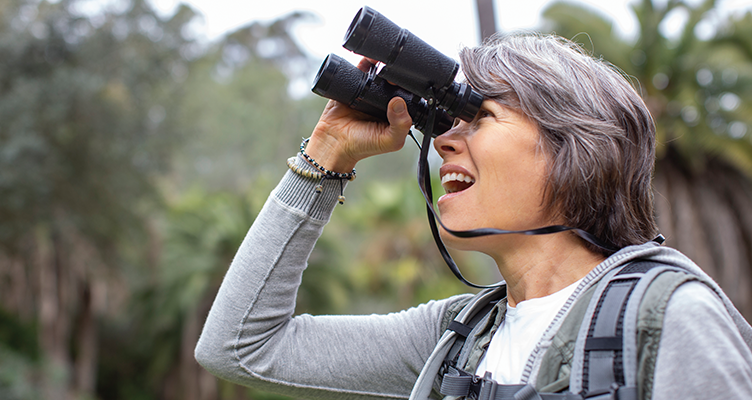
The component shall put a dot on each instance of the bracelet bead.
(303, 172)
(321, 174)
(337, 175)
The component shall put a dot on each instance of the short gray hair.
(596, 130)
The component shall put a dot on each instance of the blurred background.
(138, 140)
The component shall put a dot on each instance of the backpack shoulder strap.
(463, 329)
(606, 351)
(461, 318)
(617, 337)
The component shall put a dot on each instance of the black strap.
(424, 180)
(463, 330)
(605, 329)
(604, 343)
(603, 366)
(459, 383)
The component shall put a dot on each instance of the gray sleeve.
(251, 337)
(701, 353)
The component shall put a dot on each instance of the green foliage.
(19, 359)
(698, 89)
(156, 154)
(199, 236)
(18, 335)
(86, 114)
(17, 373)
(247, 123)
(379, 249)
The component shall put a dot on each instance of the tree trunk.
(17, 293)
(87, 342)
(53, 315)
(196, 382)
(189, 369)
(486, 18)
(708, 216)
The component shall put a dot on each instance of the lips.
(455, 178)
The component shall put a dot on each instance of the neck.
(537, 266)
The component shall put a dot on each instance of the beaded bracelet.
(306, 173)
(337, 175)
(324, 174)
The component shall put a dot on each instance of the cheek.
(515, 179)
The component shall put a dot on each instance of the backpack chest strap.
(459, 383)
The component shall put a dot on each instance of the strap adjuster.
(614, 392)
(488, 388)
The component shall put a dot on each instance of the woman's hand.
(343, 136)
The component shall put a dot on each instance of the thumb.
(399, 118)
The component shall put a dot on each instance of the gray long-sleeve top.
(252, 338)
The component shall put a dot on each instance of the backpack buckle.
(614, 392)
(488, 387)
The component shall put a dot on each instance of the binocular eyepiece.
(412, 69)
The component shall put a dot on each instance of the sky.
(447, 25)
(444, 24)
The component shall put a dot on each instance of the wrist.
(329, 154)
(319, 173)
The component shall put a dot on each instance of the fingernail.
(399, 107)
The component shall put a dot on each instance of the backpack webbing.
(463, 330)
(602, 363)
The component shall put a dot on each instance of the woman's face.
(494, 176)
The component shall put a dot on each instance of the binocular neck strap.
(424, 181)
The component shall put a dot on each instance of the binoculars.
(408, 68)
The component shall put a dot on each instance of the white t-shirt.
(518, 334)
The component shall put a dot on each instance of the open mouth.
(456, 182)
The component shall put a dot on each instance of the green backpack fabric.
(605, 348)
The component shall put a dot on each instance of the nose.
(451, 141)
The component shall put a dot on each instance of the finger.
(366, 63)
(329, 105)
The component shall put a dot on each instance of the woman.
(561, 138)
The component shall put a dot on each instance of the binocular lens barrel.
(339, 80)
(413, 70)
(412, 63)
(360, 30)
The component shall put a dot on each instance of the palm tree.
(699, 90)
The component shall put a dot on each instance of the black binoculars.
(411, 69)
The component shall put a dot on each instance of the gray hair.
(595, 129)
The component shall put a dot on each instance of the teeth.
(456, 177)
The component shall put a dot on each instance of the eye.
(484, 114)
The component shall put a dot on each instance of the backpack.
(609, 337)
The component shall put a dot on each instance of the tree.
(198, 238)
(486, 18)
(246, 122)
(87, 117)
(699, 91)
(245, 125)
